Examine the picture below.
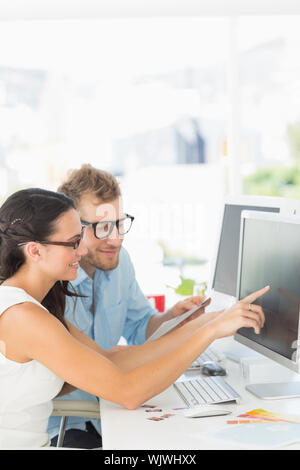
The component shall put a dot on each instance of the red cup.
(159, 302)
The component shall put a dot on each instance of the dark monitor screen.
(225, 275)
(270, 255)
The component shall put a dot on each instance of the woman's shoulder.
(11, 296)
(23, 315)
(25, 324)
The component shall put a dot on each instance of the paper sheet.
(258, 435)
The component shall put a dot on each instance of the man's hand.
(187, 304)
(178, 309)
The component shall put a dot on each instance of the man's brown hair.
(90, 180)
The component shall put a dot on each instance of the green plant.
(274, 181)
(186, 287)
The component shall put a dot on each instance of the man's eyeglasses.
(105, 228)
(74, 244)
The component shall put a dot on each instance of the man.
(113, 304)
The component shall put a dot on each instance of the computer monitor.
(224, 266)
(269, 252)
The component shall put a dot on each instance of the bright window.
(150, 100)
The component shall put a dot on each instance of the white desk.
(130, 429)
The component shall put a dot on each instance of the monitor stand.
(275, 391)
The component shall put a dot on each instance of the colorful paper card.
(261, 414)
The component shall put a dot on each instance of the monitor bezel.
(263, 201)
(289, 363)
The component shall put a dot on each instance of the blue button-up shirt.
(120, 309)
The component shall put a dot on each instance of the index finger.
(255, 295)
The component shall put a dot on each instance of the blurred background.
(184, 110)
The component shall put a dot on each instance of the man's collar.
(81, 276)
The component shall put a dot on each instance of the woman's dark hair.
(28, 215)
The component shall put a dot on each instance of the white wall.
(50, 9)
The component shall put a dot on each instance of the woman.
(40, 250)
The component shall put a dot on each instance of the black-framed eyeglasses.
(105, 228)
(74, 244)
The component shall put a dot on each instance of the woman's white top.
(26, 390)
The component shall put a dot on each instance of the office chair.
(81, 408)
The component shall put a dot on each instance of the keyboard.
(210, 354)
(205, 390)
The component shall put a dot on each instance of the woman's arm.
(130, 357)
(136, 356)
(40, 336)
(46, 340)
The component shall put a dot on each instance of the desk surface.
(131, 429)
